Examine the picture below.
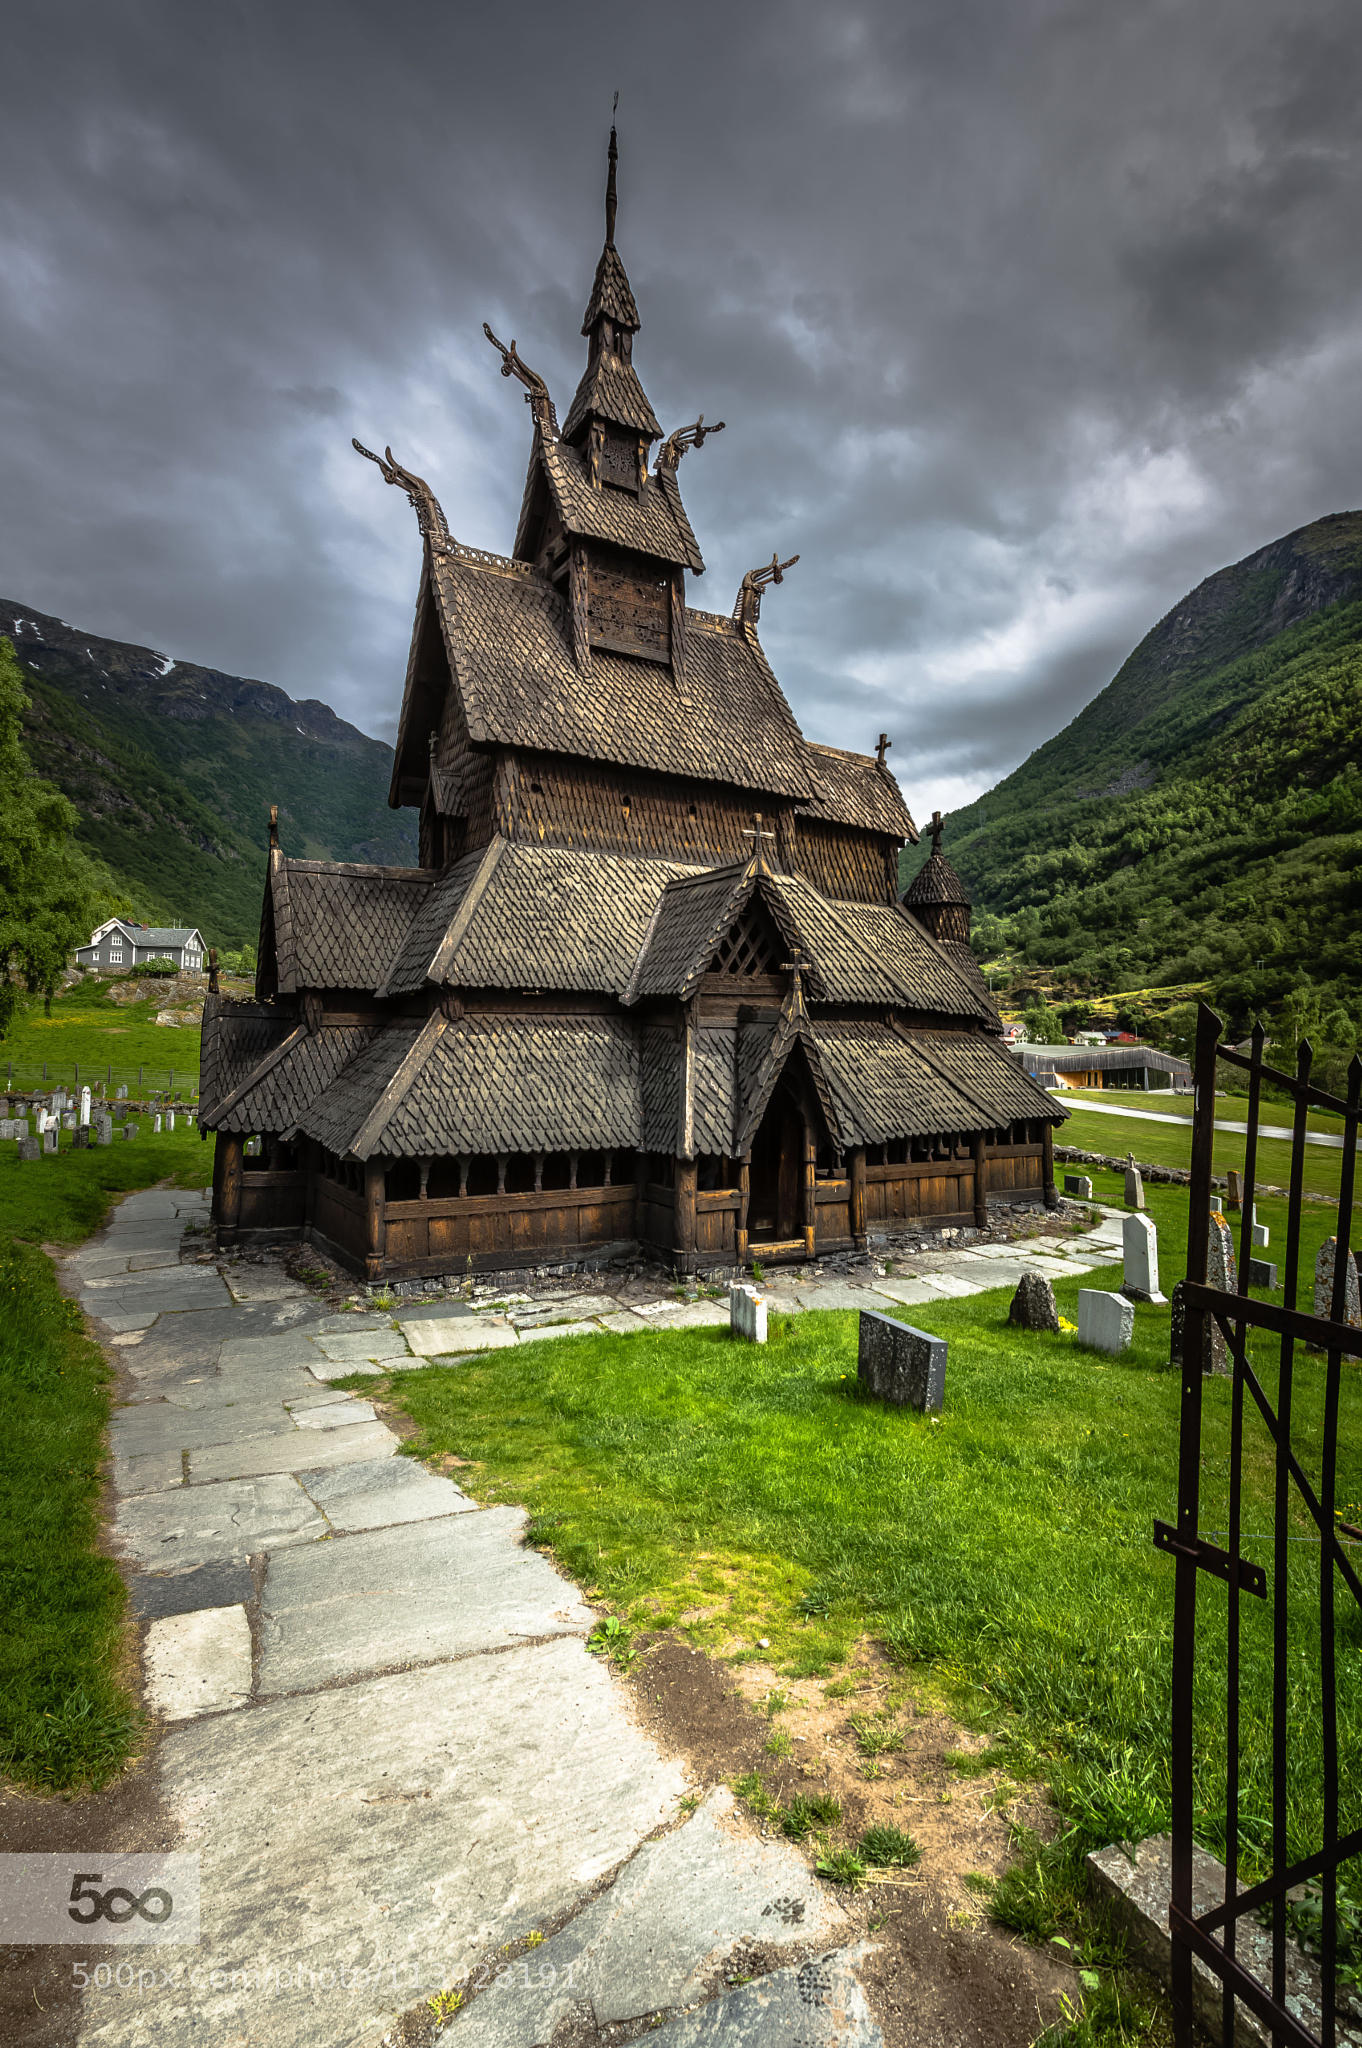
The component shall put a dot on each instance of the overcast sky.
(1024, 315)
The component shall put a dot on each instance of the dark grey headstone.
(1262, 1273)
(80, 1138)
(1214, 1352)
(30, 1148)
(1078, 1184)
(901, 1364)
(227, 1584)
(1033, 1304)
(129, 1130)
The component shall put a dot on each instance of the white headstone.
(1106, 1321)
(1140, 1245)
(156, 1121)
(121, 1095)
(747, 1313)
(1134, 1184)
(170, 1119)
(50, 1136)
(1262, 1237)
(84, 1106)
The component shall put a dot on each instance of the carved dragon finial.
(536, 390)
(674, 447)
(420, 496)
(747, 610)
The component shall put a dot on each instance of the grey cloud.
(1024, 315)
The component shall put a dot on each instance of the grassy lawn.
(1003, 1550)
(1230, 1108)
(1171, 1145)
(89, 1031)
(66, 1720)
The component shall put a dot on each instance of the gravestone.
(1134, 1184)
(30, 1148)
(1262, 1237)
(84, 1109)
(747, 1313)
(80, 1138)
(156, 1122)
(1324, 1285)
(1079, 1185)
(129, 1130)
(1234, 1190)
(103, 1130)
(1214, 1352)
(1262, 1273)
(1222, 1270)
(901, 1364)
(59, 1100)
(68, 1119)
(50, 1136)
(1106, 1321)
(1033, 1305)
(1140, 1249)
(170, 1120)
(121, 1094)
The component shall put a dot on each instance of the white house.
(118, 946)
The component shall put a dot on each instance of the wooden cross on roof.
(795, 966)
(936, 828)
(882, 746)
(756, 834)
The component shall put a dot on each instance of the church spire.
(610, 395)
(611, 197)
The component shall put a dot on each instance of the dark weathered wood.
(1047, 1167)
(375, 1224)
(980, 1182)
(810, 1191)
(685, 1215)
(856, 1162)
(229, 1214)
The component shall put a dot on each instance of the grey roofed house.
(1102, 1066)
(120, 945)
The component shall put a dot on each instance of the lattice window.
(749, 948)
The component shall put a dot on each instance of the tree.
(51, 894)
(1043, 1025)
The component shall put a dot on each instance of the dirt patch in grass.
(942, 1973)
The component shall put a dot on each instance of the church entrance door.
(777, 1171)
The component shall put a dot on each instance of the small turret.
(936, 895)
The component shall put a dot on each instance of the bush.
(158, 970)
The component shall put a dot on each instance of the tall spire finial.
(610, 181)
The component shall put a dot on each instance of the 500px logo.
(107, 1898)
(118, 1903)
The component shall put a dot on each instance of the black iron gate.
(1304, 1483)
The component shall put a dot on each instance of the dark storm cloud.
(1023, 316)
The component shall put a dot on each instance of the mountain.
(173, 769)
(1200, 822)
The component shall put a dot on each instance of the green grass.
(66, 1718)
(89, 1031)
(1004, 1549)
(1230, 1108)
(1171, 1145)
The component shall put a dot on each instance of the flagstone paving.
(381, 1728)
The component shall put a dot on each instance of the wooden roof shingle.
(338, 924)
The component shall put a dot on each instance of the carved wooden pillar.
(501, 1173)
(810, 1193)
(375, 1220)
(744, 1203)
(1047, 1166)
(678, 627)
(980, 1181)
(856, 1173)
(229, 1213)
(539, 1173)
(578, 605)
(572, 1170)
(640, 1194)
(685, 1216)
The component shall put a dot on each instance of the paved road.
(1162, 1116)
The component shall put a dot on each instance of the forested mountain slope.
(173, 769)
(1201, 819)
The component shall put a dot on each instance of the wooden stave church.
(652, 988)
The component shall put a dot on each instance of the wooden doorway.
(777, 1173)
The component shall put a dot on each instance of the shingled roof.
(611, 294)
(236, 1037)
(335, 924)
(506, 634)
(853, 789)
(486, 1084)
(653, 523)
(888, 1085)
(512, 916)
(610, 390)
(936, 882)
(281, 1086)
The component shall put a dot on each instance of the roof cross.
(795, 966)
(756, 834)
(936, 828)
(882, 746)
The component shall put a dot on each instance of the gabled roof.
(610, 390)
(336, 924)
(888, 1084)
(793, 1031)
(653, 523)
(691, 916)
(145, 934)
(236, 1037)
(853, 789)
(281, 1086)
(511, 916)
(507, 638)
(485, 1084)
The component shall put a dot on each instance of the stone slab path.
(380, 1726)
